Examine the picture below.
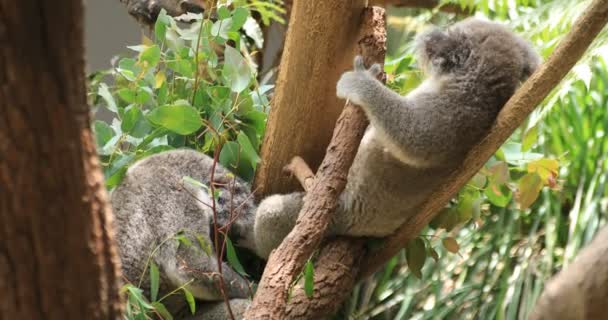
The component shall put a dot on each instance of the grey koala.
(414, 141)
(153, 204)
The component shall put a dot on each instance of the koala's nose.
(193, 6)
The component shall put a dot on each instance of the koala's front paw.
(353, 84)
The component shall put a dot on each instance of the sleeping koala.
(153, 205)
(414, 141)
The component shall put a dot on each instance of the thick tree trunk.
(581, 290)
(57, 258)
(319, 47)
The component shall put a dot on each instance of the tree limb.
(521, 104)
(286, 262)
(300, 169)
(580, 291)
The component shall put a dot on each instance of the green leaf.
(530, 137)
(181, 119)
(190, 300)
(415, 255)
(447, 219)
(154, 280)
(160, 27)
(499, 195)
(183, 239)
(103, 134)
(247, 149)
(161, 309)
(104, 92)
(229, 155)
(239, 16)
(309, 279)
(151, 56)
(205, 245)
(233, 260)
(528, 188)
(221, 28)
(236, 70)
(130, 117)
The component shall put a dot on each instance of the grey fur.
(414, 141)
(153, 204)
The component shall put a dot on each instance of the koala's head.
(475, 45)
(237, 208)
(146, 11)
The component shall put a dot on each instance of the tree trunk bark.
(581, 290)
(320, 44)
(57, 257)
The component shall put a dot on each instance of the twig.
(300, 169)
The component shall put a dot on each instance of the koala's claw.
(359, 65)
(375, 70)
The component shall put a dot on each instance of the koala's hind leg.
(191, 266)
(275, 217)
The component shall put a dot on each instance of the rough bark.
(319, 47)
(581, 290)
(286, 262)
(57, 258)
(521, 104)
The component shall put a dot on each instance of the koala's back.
(153, 204)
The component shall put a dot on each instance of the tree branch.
(286, 262)
(578, 292)
(521, 104)
(300, 169)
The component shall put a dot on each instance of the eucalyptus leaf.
(181, 119)
(236, 70)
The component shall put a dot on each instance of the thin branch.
(300, 169)
(523, 102)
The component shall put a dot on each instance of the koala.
(416, 140)
(153, 205)
(146, 11)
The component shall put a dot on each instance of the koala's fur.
(414, 141)
(153, 204)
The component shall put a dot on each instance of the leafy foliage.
(193, 86)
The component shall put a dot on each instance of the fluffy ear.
(532, 61)
(442, 50)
